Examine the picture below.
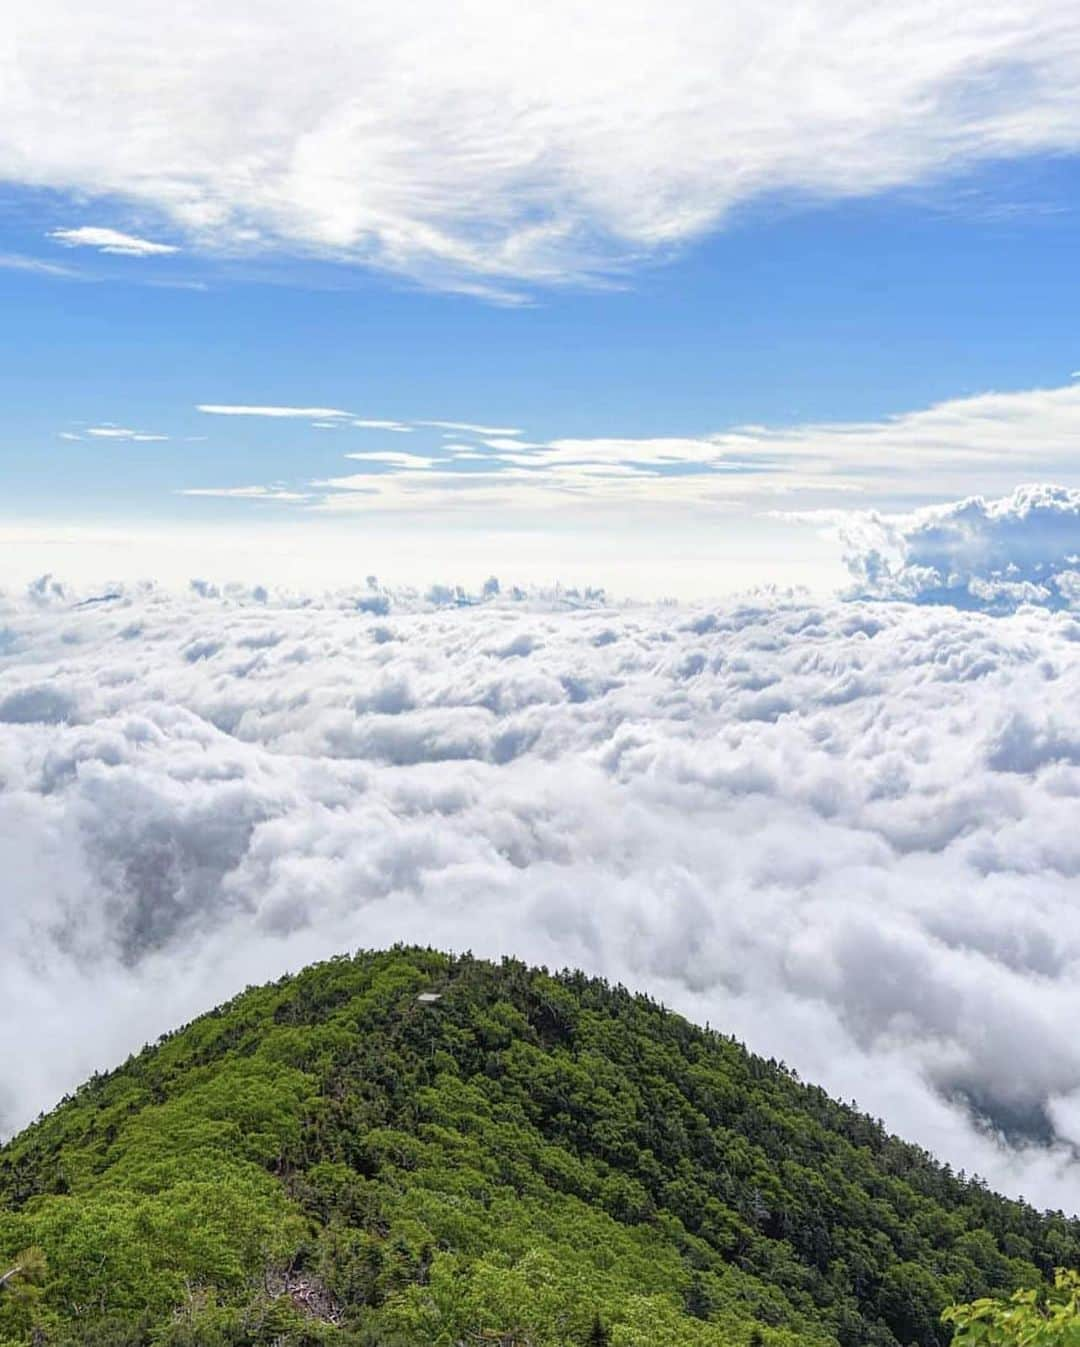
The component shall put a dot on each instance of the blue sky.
(878, 263)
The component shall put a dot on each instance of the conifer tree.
(598, 1334)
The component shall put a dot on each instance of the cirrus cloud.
(271, 493)
(988, 440)
(484, 147)
(111, 432)
(275, 413)
(111, 241)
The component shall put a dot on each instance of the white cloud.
(996, 555)
(992, 437)
(505, 145)
(122, 433)
(296, 413)
(111, 241)
(199, 287)
(393, 458)
(988, 442)
(335, 415)
(774, 815)
(512, 443)
(247, 493)
(471, 428)
(19, 262)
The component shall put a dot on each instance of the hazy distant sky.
(613, 286)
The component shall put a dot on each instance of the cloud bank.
(484, 146)
(846, 833)
(994, 555)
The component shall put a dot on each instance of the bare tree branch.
(8, 1276)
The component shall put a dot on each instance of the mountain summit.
(413, 1149)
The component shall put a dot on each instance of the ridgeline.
(408, 1149)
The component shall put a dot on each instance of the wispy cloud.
(561, 144)
(122, 433)
(394, 459)
(988, 442)
(471, 428)
(269, 493)
(19, 262)
(324, 417)
(197, 287)
(111, 241)
(286, 413)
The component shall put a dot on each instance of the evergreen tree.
(598, 1334)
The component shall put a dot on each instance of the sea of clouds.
(845, 832)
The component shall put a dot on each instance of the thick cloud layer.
(992, 555)
(845, 833)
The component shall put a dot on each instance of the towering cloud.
(995, 555)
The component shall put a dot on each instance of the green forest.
(411, 1149)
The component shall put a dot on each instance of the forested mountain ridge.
(529, 1158)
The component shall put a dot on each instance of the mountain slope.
(527, 1159)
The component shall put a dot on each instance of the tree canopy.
(412, 1149)
(1030, 1317)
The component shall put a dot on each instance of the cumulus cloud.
(996, 555)
(481, 146)
(111, 241)
(844, 832)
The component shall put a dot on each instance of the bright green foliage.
(20, 1280)
(530, 1159)
(1031, 1317)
